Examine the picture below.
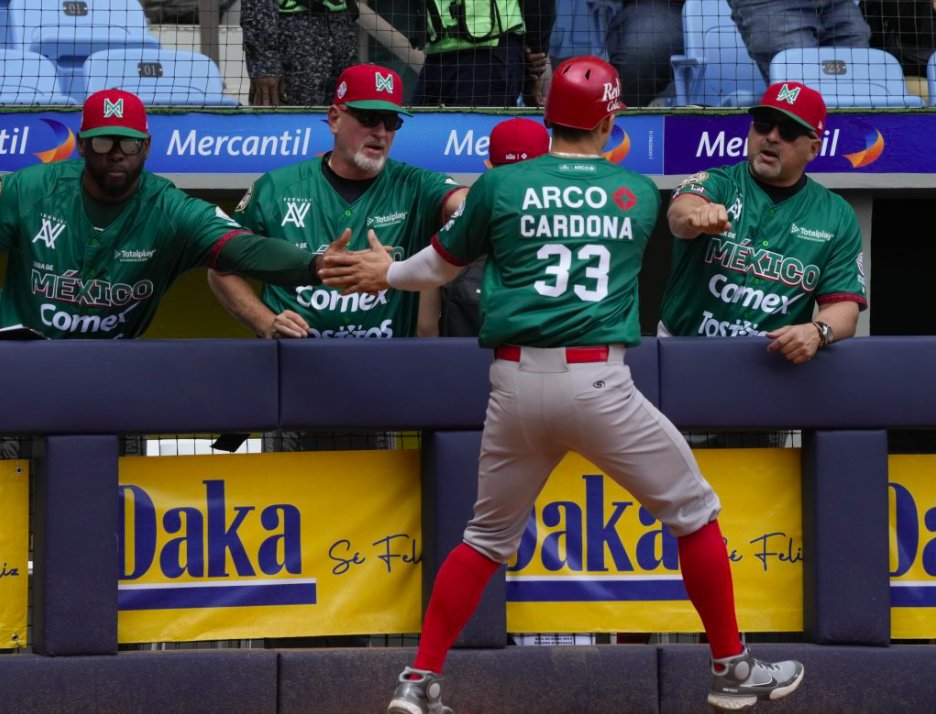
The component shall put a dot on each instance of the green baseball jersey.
(67, 279)
(771, 267)
(565, 238)
(404, 207)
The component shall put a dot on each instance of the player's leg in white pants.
(518, 452)
(622, 433)
(542, 407)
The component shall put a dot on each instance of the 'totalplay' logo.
(620, 144)
(871, 153)
(66, 143)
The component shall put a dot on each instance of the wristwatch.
(826, 336)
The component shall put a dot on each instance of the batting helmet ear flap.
(582, 92)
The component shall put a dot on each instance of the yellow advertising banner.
(14, 552)
(592, 560)
(912, 500)
(327, 543)
(269, 545)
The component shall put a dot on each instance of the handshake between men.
(356, 271)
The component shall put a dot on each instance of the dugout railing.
(79, 396)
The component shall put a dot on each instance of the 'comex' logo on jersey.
(295, 213)
(51, 229)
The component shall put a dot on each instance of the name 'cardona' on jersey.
(571, 225)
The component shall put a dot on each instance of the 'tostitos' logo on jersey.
(872, 152)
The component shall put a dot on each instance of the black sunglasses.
(106, 144)
(369, 118)
(789, 131)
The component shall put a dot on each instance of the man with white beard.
(353, 188)
(346, 192)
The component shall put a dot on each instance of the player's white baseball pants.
(542, 407)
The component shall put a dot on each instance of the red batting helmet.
(583, 91)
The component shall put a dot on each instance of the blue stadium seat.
(580, 28)
(159, 76)
(846, 76)
(715, 68)
(35, 81)
(931, 79)
(69, 32)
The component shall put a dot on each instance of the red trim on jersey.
(677, 196)
(446, 256)
(844, 297)
(220, 243)
(445, 199)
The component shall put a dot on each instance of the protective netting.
(669, 53)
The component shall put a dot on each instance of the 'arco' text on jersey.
(573, 224)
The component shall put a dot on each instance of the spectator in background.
(296, 49)
(637, 37)
(353, 187)
(907, 30)
(771, 26)
(484, 54)
(512, 140)
(642, 36)
(179, 12)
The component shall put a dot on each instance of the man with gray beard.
(352, 188)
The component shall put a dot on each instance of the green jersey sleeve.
(843, 275)
(715, 185)
(8, 212)
(466, 235)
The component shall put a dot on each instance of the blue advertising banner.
(851, 143)
(205, 143)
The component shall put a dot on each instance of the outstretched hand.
(357, 271)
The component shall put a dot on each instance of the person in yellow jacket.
(483, 53)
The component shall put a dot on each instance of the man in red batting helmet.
(583, 91)
(565, 235)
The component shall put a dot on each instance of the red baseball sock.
(455, 595)
(706, 573)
